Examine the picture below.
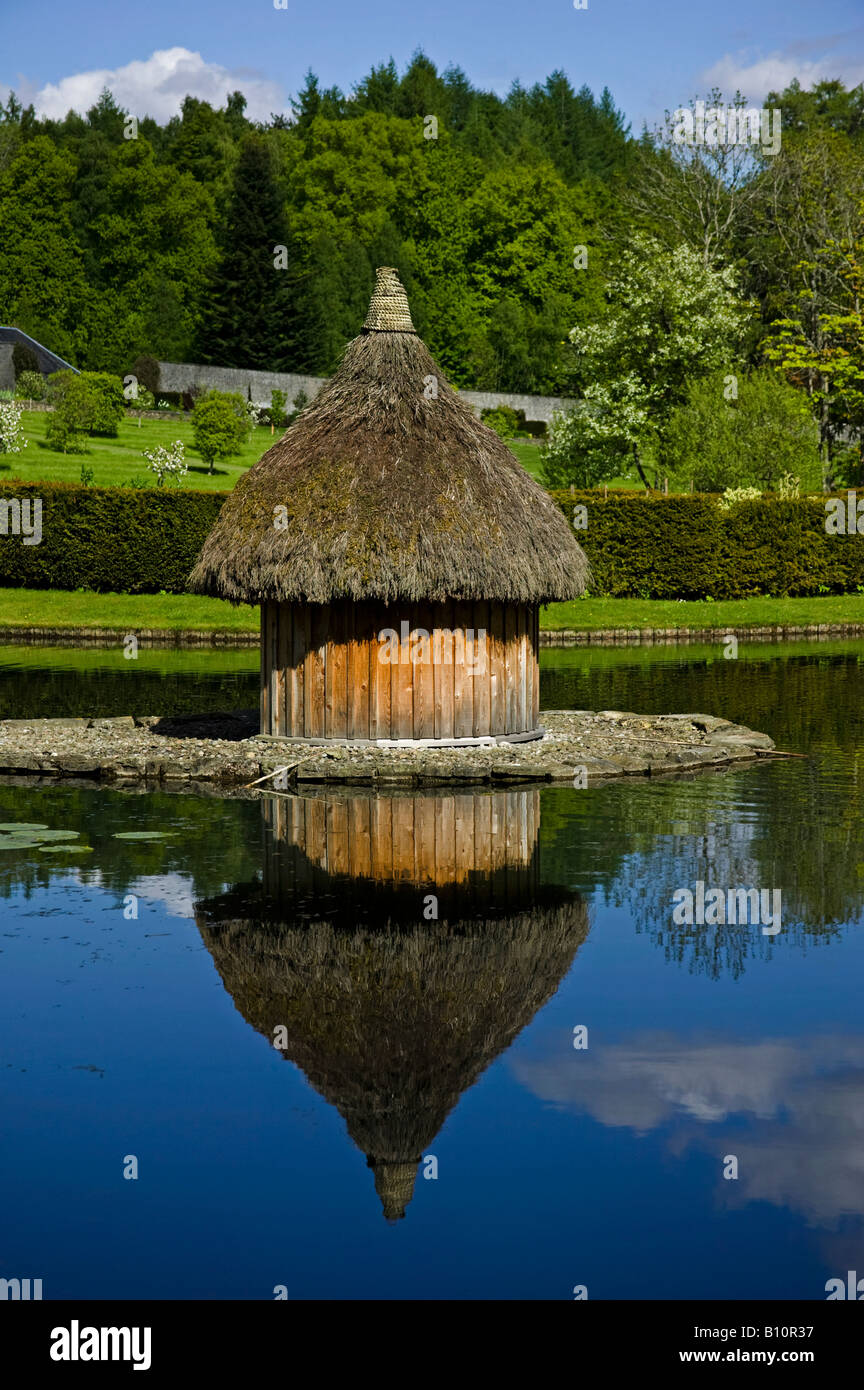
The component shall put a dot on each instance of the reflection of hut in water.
(390, 1015)
(388, 508)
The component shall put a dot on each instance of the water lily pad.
(65, 849)
(13, 842)
(20, 827)
(140, 835)
(56, 834)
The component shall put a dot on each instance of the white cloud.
(155, 86)
(756, 76)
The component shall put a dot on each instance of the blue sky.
(651, 55)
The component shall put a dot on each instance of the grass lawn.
(50, 608)
(592, 614)
(116, 461)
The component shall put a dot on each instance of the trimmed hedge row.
(640, 545)
(126, 540)
(644, 545)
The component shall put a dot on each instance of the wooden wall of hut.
(326, 672)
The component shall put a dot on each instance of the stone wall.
(183, 376)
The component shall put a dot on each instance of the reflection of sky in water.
(556, 1166)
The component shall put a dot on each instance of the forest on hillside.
(518, 224)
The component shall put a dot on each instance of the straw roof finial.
(388, 308)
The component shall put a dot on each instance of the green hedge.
(644, 545)
(640, 545)
(126, 540)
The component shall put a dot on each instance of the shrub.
(12, 439)
(167, 462)
(647, 545)
(277, 413)
(573, 453)
(108, 402)
(501, 419)
(69, 421)
(749, 440)
(220, 424)
(30, 386)
(137, 540)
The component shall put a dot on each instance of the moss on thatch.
(392, 490)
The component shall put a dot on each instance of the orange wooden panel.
(463, 686)
(497, 670)
(358, 670)
(315, 674)
(299, 637)
(336, 674)
(479, 652)
(424, 674)
(511, 665)
(442, 671)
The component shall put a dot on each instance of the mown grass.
(176, 612)
(117, 461)
(593, 614)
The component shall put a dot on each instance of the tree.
(69, 421)
(824, 351)
(752, 433)
(670, 319)
(242, 324)
(218, 428)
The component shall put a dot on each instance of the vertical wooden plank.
(358, 635)
(402, 820)
(481, 675)
(315, 674)
(273, 658)
(265, 673)
(498, 671)
(442, 670)
(424, 676)
(402, 677)
(315, 835)
(297, 725)
(522, 654)
(511, 666)
(283, 657)
(380, 673)
(463, 703)
(336, 674)
(535, 661)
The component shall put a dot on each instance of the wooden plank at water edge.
(497, 669)
(511, 667)
(402, 679)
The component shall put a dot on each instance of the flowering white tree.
(12, 439)
(167, 462)
(670, 319)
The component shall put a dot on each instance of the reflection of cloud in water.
(802, 1104)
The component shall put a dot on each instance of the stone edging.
(612, 636)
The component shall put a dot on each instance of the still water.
(425, 1127)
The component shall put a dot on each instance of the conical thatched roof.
(393, 490)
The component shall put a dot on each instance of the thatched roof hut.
(387, 507)
(392, 1017)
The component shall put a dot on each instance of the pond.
(341, 1037)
